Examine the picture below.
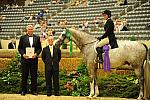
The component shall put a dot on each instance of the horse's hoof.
(95, 96)
(141, 99)
(89, 97)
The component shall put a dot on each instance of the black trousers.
(52, 75)
(29, 66)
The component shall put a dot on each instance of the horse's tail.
(146, 74)
(146, 51)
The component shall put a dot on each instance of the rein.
(88, 43)
(68, 36)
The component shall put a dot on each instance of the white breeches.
(102, 42)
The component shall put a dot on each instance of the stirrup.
(96, 60)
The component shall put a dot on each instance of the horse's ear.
(73, 27)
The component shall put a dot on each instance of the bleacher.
(138, 16)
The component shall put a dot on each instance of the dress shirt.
(51, 49)
(31, 41)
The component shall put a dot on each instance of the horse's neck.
(81, 40)
(78, 43)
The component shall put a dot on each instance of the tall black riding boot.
(99, 55)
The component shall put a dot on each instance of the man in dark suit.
(12, 44)
(29, 63)
(108, 37)
(51, 56)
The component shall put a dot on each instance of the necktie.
(51, 50)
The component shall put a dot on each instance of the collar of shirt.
(31, 41)
(51, 47)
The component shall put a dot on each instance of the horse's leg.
(96, 85)
(139, 72)
(91, 89)
(91, 70)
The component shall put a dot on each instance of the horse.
(132, 53)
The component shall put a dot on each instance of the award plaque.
(30, 52)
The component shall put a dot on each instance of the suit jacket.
(109, 32)
(24, 42)
(10, 46)
(49, 61)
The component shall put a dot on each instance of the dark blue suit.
(51, 68)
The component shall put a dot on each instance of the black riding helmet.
(107, 12)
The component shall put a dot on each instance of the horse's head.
(65, 36)
(61, 39)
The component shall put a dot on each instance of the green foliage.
(82, 69)
(119, 86)
(133, 38)
(63, 81)
(41, 84)
(112, 86)
(81, 82)
(81, 86)
(10, 77)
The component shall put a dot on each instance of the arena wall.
(66, 63)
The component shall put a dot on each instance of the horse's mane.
(80, 34)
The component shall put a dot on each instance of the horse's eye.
(63, 35)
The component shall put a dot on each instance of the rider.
(108, 37)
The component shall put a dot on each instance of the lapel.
(27, 39)
(54, 50)
(48, 51)
(106, 25)
(34, 40)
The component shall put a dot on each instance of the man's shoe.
(57, 94)
(23, 93)
(49, 94)
(34, 93)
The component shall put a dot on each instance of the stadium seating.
(136, 14)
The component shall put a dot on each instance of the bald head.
(50, 40)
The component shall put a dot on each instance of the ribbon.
(71, 48)
(106, 58)
(68, 35)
